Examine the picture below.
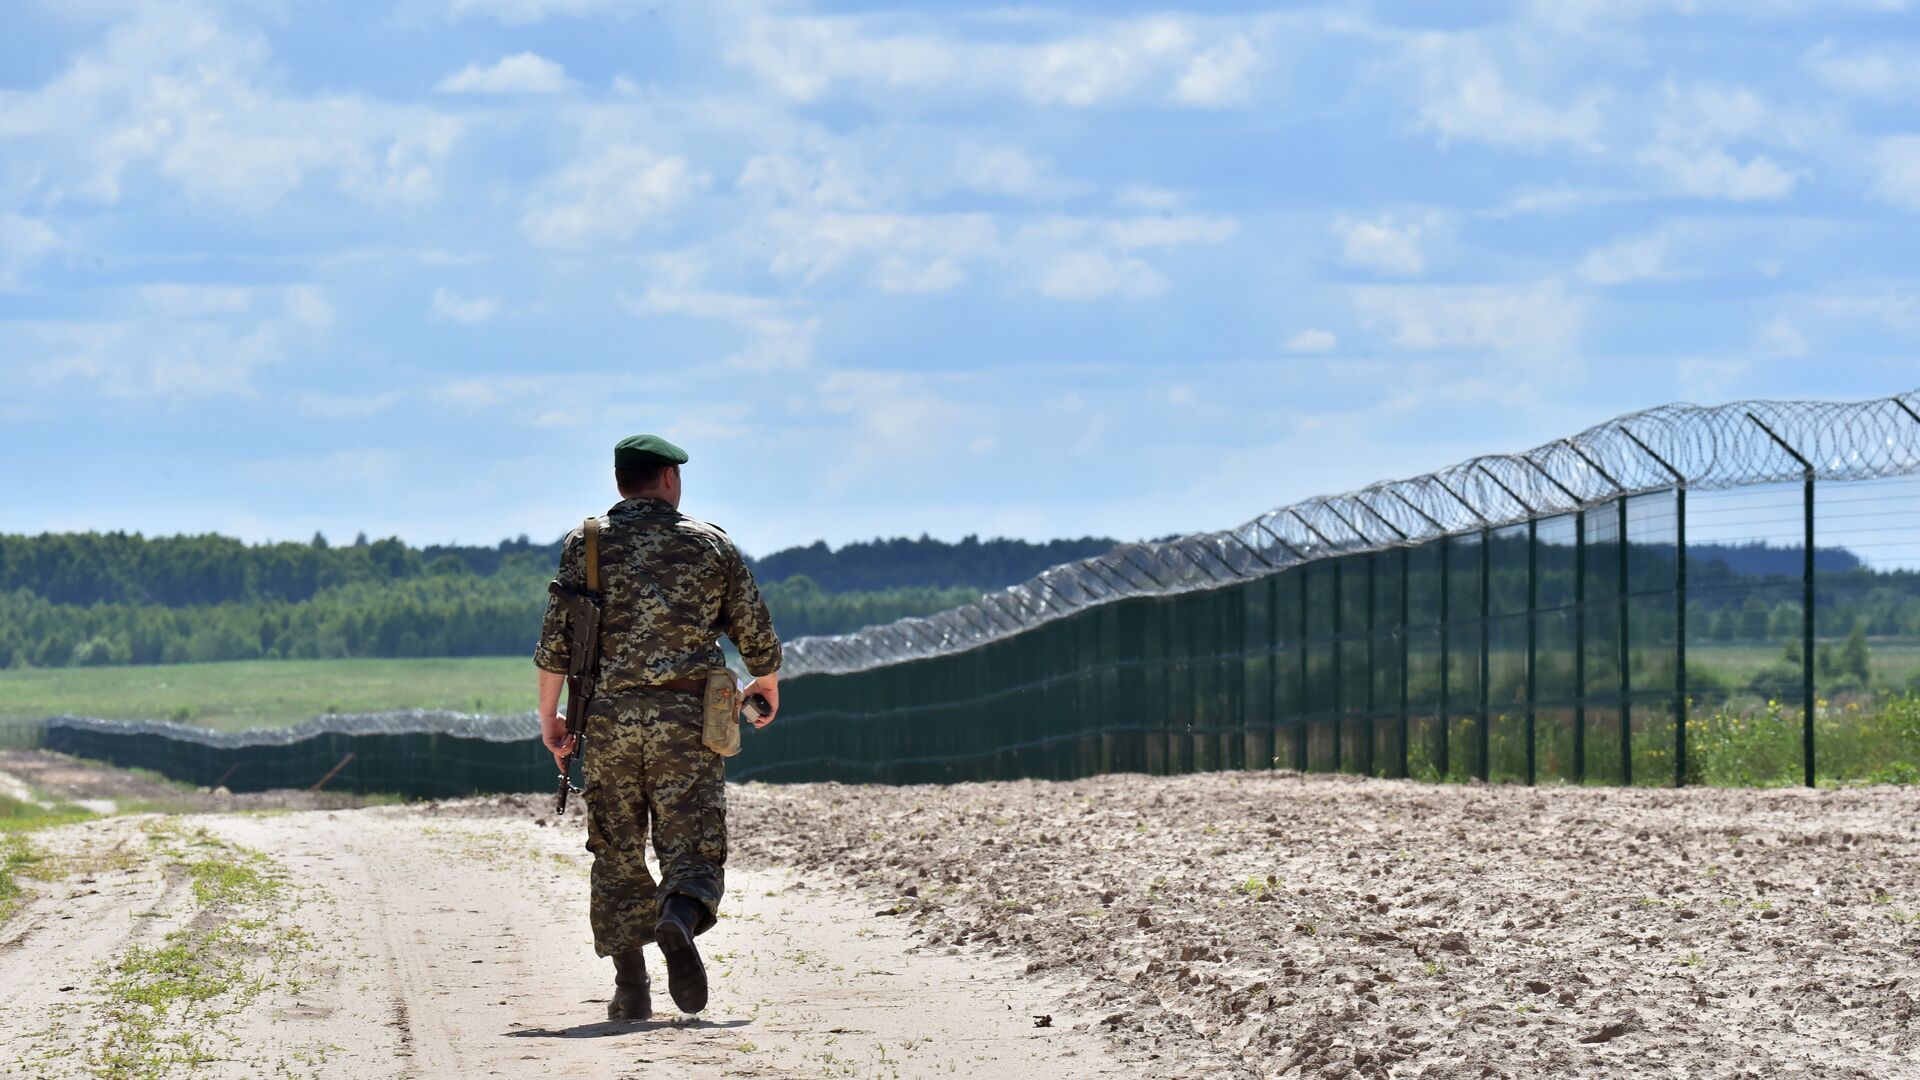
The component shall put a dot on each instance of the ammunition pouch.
(720, 729)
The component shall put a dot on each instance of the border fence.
(1725, 595)
(1686, 594)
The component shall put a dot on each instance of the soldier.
(672, 586)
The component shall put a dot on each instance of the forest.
(82, 599)
(88, 599)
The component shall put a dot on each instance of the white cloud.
(780, 345)
(608, 198)
(1711, 380)
(1631, 259)
(1218, 77)
(1147, 197)
(23, 241)
(1556, 200)
(346, 406)
(1778, 336)
(1715, 174)
(692, 429)
(521, 73)
(170, 89)
(1179, 60)
(475, 394)
(908, 249)
(1538, 316)
(895, 274)
(701, 304)
(1698, 122)
(894, 416)
(1897, 171)
(814, 180)
(527, 11)
(1580, 14)
(1463, 94)
(170, 341)
(1094, 69)
(1168, 231)
(801, 56)
(173, 301)
(1313, 341)
(1090, 275)
(1003, 170)
(1880, 72)
(465, 310)
(1385, 245)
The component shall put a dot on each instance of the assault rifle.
(583, 654)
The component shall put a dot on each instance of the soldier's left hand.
(769, 687)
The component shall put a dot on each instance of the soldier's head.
(648, 467)
(649, 482)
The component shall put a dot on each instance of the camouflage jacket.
(673, 585)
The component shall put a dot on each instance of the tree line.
(442, 615)
(179, 571)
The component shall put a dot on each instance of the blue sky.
(269, 268)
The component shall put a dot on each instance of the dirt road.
(436, 942)
(1246, 925)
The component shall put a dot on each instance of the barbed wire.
(1692, 446)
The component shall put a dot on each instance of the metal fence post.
(1445, 762)
(1682, 706)
(1680, 703)
(1626, 647)
(1806, 600)
(1339, 622)
(1373, 584)
(1533, 638)
(1806, 643)
(1484, 767)
(1305, 692)
(1406, 637)
(1580, 646)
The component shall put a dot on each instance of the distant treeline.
(892, 564)
(79, 599)
(178, 571)
(92, 598)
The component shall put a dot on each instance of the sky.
(271, 268)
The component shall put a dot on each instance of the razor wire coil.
(1701, 448)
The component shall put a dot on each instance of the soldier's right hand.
(558, 740)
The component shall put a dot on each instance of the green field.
(268, 693)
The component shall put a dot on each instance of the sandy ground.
(1274, 925)
(450, 942)
(39, 776)
(1219, 925)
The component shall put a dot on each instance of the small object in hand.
(758, 706)
(1043, 1021)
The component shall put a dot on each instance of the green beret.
(640, 451)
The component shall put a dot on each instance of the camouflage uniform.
(673, 585)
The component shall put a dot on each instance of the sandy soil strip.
(453, 946)
(1273, 925)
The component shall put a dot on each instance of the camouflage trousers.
(648, 773)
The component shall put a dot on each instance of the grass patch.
(162, 1001)
(245, 694)
(1873, 740)
(17, 854)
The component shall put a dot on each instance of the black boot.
(680, 917)
(631, 997)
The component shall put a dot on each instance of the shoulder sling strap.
(591, 528)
